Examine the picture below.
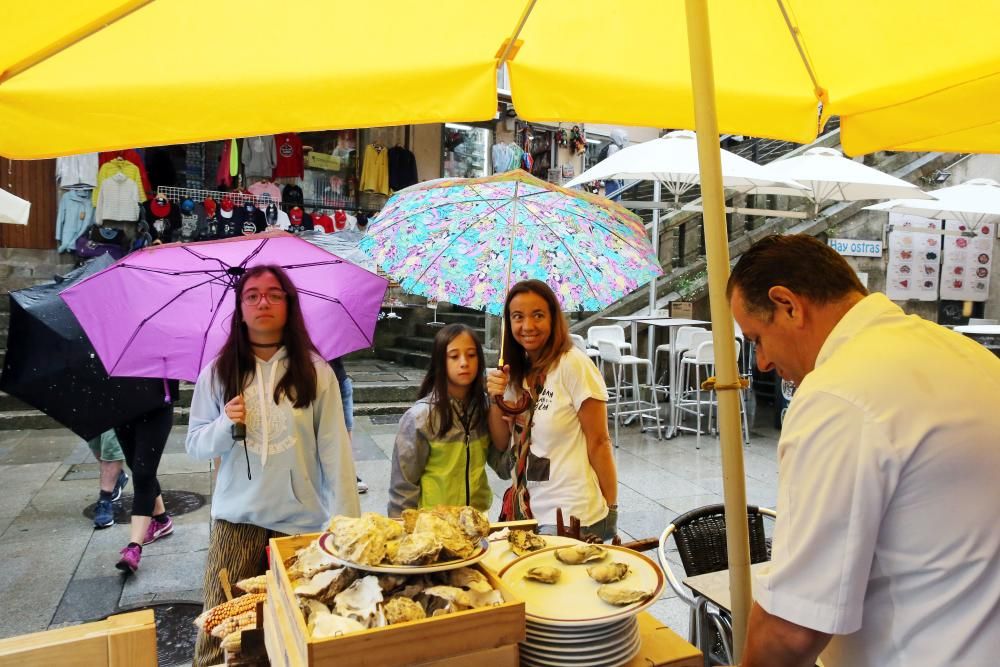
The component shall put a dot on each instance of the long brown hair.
(435, 383)
(557, 345)
(299, 380)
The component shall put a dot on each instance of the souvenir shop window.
(465, 150)
(330, 173)
(593, 153)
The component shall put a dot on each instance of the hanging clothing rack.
(178, 195)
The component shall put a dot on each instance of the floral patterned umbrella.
(465, 241)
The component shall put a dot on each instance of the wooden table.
(662, 647)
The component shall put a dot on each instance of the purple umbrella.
(165, 311)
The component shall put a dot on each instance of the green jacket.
(428, 470)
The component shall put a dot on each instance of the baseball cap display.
(226, 208)
(271, 214)
(295, 215)
(339, 220)
(187, 206)
(160, 206)
(210, 206)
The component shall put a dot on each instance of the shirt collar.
(859, 317)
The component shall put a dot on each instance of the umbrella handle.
(512, 408)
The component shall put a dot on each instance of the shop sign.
(323, 161)
(856, 247)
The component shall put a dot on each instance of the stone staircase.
(381, 386)
(415, 350)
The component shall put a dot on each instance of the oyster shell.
(409, 518)
(468, 578)
(310, 561)
(418, 548)
(580, 553)
(310, 607)
(360, 601)
(607, 573)
(326, 624)
(544, 574)
(361, 540)
(390, 582)
(453, 541)
(401, 610)
(524, 542)
(620, 596)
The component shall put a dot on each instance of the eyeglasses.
(274, 297)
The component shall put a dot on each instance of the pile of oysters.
(605, 574)
(424, 536)
(337, 600)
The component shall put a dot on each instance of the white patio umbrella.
(672, 162)
(971, 202)
(13, 209)
(829, 176)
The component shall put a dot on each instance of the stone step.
(418, 360)
(417, 344)
(472, 318)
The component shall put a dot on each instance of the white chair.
(582, 346)
(611, 332)
(702, 362)
(980, 321)
(611, 355)
(682, 341)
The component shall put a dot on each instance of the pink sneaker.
(157, 530)
(129, 562)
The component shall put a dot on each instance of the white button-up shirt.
(888, 496)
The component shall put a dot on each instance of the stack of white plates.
(603, 645)
(567, 623)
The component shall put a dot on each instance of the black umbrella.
(52, 366)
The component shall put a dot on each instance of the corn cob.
(233, 641)
(211, 618)
(247, 620)
(253, 584)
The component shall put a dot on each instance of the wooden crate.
(125, 640)
(414, 643)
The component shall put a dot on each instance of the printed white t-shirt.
(559, 470)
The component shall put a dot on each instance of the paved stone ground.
(58, 570)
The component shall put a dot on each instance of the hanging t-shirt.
(291, 194)
(130, 155)
(559, 470)
(249, 220)
(259, 157)
(289, 151)
(262, 188)
(375, 170)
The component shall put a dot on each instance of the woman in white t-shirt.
(560, 450)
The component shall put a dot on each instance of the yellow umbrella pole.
(723, 334)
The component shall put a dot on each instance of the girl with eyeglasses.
(294, 470)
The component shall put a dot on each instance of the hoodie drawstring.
(262, 399)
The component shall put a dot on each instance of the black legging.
(143, 440)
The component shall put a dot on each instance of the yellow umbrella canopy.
(104, 74)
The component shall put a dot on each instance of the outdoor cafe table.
(713, 587)
(671, 323)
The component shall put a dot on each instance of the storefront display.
(466, 151)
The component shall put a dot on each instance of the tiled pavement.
(58, 570)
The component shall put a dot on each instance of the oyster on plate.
(544, 574)
(362, 540)
(608, 573)
(417, 548)
(620, 596)
(361, 601)
(454, 542)
(580, 553)
(469, 578)
(400, 610)
(524, 542)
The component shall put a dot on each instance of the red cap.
(340, 219)
(160, 207)
(227, 203)
(295, 215)
(209, 205)
(324, 221)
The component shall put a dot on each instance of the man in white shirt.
(885, 548)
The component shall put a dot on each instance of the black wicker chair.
(700, 536)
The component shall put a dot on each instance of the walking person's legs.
(143, 442)
(108, 453)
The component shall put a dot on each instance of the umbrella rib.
(326, 262)
(151, 316)
(204, 337)
(454, 238)
(602, 225)
(436, 206)
(205, 258)
(342, 307)
(167, 272)
(569, 252)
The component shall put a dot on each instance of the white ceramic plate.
(582, 633)
(573, 600)
(577, 661)
(501, 554)
(594, 645)
(388, 568)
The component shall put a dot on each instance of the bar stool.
(582, 346)
(682, 341)
(611, 332)
(611, 355)
(702, 360)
